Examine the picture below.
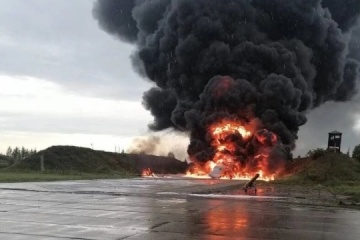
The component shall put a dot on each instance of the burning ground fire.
(240, 152)
(227, 162)
(147, 172)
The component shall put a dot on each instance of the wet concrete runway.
(159, 209)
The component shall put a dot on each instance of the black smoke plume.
(271, 60)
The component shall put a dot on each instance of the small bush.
(317, 153)
(356, 152)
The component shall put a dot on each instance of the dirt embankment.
(77, 159)
(331, 179)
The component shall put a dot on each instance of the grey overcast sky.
(65, 81)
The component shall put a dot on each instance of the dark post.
(334, 142)
(42, 163)
(251, 184)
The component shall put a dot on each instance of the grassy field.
(8, 177)
(67, 163)
(77, 163)
(335, 173)
(351, 189)
(74, 159)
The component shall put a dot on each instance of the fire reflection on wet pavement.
(160, 209)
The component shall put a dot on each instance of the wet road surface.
(160, 209)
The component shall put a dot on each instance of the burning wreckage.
(227, 139)
(238, 76)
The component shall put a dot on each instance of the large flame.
(224, 136)
(147, 172)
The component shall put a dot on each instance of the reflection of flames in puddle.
(230, 139)
(218, 221)
(147, 172)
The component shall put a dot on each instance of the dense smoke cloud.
(344, 12)
(122, 23)
(239, 59)
(354, 46)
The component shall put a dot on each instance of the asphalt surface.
(160, 209)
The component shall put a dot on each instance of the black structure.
(251, 184)
(334, 143)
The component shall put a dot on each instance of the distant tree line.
(316, 153)
(18, 153)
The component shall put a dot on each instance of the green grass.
(331, 169)
(335, 173)
(65, 159)
(10, 177)
(350, 189)
(78, 163)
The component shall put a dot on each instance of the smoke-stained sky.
(59, 43)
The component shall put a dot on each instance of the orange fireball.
(225, 158)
